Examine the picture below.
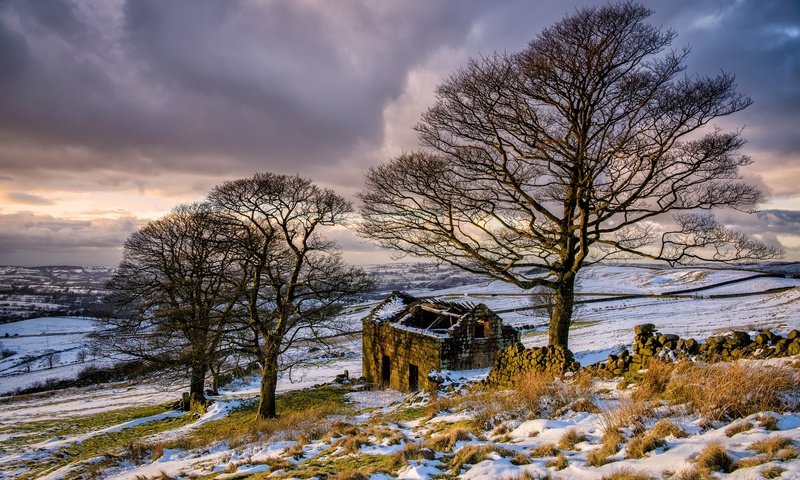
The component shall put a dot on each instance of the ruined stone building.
(405, 338)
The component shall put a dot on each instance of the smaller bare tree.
(295, 279)
(173, 295)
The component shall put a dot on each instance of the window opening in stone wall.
(480, 330)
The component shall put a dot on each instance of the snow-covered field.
(720, 300)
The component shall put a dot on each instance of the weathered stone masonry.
(405, 339)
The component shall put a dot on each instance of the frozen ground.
(599, 328)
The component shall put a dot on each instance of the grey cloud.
(181, 83)
(27, 198)
(30, 239)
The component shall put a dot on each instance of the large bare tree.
(295, 281)
(173, 294)
(576, 149)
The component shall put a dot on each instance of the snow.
(599, 329)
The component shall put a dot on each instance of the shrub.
(714, 457)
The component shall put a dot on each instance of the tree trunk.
(564, 301)
(269, 380)
(197, 382)
(215, 380)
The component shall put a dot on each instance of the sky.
(112, 112)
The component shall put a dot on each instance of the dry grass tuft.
(349, 476)
(559, 463)
(629, 413)
(641, 444)
(529, 476)
(652, 382)
(665, 428)
(611, 441)
(787, 453)
(768, 422)
(472, 454)
(541, 394)
(772, 445)
(773, 471)
(521, 459)
(570, 438)
(413, 451)
(545, 450)
(714, 457)
(738, 428)
(693, 473)
(753, 461)
(734, 390)
(627, 474)
(444, 442)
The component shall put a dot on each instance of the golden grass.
(545, 450)
(652, 382)
(772, 445)
(610, 445)
(738, 428)
(444, 442)
(768, 422)
(665, 428)
(773, 471)
(570, 438)
(734, 390)
(641, 444)
(472, 454)
(627, 474)
(714, 457)
(753, 461)
(559, 463)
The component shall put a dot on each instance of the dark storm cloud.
(282, 84)
(759, 42)
(98, 95)
(216, 86)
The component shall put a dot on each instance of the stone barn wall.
(467, 350)
(404, 348)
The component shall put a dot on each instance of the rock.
(644, 329)
(793, 334)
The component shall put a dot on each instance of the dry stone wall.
(649, 343)
(513, 362)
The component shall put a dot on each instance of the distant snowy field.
(723, 299)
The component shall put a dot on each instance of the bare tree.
(173, 295)
(571, 151)
(295, 279)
